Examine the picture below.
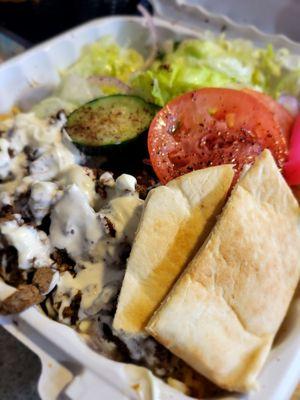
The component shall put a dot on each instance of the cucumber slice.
(110, 121)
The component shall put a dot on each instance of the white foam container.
(69, 367)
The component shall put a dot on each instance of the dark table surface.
(19, 370)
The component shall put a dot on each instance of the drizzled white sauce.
(42, 197)
(54, 281)
(107, 179)
(38, 158)
(51, 152)
(33, 246)
(4, 159)
(90, 280)
(52, 162)
(124, 214)
(83, 178)
(5, 199)
(27, 130)
(126, 183)
(74, 224)
(103, 272)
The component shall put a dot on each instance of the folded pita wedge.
(223, 313)
(175, 222)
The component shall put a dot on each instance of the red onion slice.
(150, 24)
(110, 81)
(290, 103)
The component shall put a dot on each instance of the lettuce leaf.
(184, 66)
(289, 84)
(212, 62)
(71, 93)
(106, 58)
(51, 106)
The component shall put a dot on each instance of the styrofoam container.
(69, 366)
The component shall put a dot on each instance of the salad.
(102, 178)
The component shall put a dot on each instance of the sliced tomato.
(296, 191)
(281, 114)
(211, 127)
(291, 168)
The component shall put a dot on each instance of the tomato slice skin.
(291, 168)
(281, 114)
(212, 126)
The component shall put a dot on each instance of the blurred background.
(37, 20)
(24, 23)
(28, 22)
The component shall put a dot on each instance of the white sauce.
(18, 166)
(53, 283)
(124, 214)
(107, 179)
(90, 280)
(97, 281)
(83, 178)
(30, 131)
(38, 156)
(52, 162)
(42, 197)
(50, 148)
(4, 159)
(126, 183)
(74, 224)
(5, 199)
(33, 246)
(7, 190)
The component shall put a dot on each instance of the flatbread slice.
(175, 222)
(223, 313)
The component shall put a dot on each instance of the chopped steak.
(6, 211)
(108, 226)
(25, 296)
(62, 259)
(42, 279)
(6, 217)
(9, 266)
(72, 311)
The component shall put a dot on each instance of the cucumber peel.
(110, 121)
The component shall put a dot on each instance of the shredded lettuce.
(106, 58)
(213, 62)
(289, 84)
(72, 92)
(184, 66)
(51, 106)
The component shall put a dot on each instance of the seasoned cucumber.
(110, 121)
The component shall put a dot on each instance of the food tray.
(69, 366)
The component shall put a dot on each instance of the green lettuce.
(106, 58)
(289, 84)
(184, 66)
(212, 62)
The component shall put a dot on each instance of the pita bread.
(175, 222)
(223, 313)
